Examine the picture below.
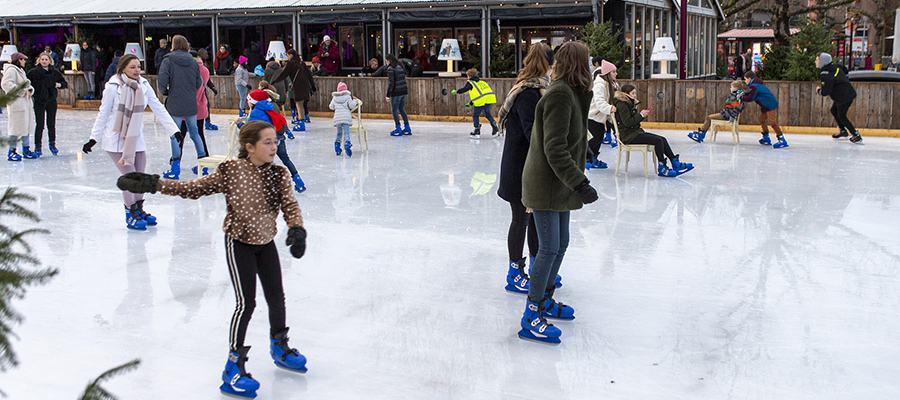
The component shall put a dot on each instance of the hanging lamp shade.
(135, 50)
(7, 52)
(276, 51)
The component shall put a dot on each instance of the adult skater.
(836, 85)
(120, 125)
(553, 183)
(396, 95)
(180, 80)
(301, 86)
(46, 81)
(254, 189)
(604, 86)
(20, 110)
(517, 118)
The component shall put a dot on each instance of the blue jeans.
(343, 130)
(398, 108)
(242, 92)
(553, 239)
(476, 112)
(283, 155)
(177, 140)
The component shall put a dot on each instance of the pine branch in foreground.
(95, 392)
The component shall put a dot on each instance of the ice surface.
(762, 274)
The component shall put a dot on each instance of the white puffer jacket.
(103, 127)
(342, 104)
(600, 106)
(21, 110)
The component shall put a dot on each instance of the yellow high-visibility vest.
(481, 93)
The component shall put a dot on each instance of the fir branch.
(95, 392)
(12, 95)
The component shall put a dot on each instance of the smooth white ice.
(762, 274)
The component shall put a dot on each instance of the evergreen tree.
(605, 41)
(503, 56)
(813, 38)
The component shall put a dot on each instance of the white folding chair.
(361, 130)
(628, 148)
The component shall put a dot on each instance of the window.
(351, 45)
(553, 36)
(422, 45)
(639, 42)
(470, 47)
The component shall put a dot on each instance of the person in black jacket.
(396, 95)
(88, 67)
(160, 53)
(836, 85)
(46, 81)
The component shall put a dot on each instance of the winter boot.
(53, 148)
(681, 167)
(235, 379)
(337, 148)
(301, 127)
(210, 127)
(697, 136)
(132, 220)
(535, 327)
(516, 278)
(597, 164)
(347, 146)
(406, 130)
(307, 119)
(558, 282)
(856, 138)
(140, 213)
(552, 309)
(28, 154)
(765, 141)
(174, 171)
(664, 171)
(843, 134)
(298, 184)
(476, 134)
(195, 170)
(780, 144)
(284, 356)
(397, 131)
(13, 156)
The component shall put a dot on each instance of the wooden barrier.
(685, 102)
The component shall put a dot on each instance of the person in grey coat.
(179, 79)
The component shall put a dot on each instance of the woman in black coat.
(517, 116)
(301, 84)
(396, 95)
(46, 81)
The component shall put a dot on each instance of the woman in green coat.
(553, 183)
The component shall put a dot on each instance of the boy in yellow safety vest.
(481, 97)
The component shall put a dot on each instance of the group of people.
(35, 105)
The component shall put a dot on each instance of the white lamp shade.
(73, 52)
(450, 50)
(8, 51)
(664, 50)
(276, 51)
(135, 50)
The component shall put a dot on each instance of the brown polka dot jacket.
(253, 196)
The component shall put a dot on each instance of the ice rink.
(762, 274)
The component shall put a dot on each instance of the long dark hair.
(250, 134)
(392, 60)
(570, 66)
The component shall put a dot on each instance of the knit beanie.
(242, 59)
(341, 87)
(257, 96)
(824, 59)
(607, 67)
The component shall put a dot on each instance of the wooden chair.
(212, 162)
(361, 130)
(716, 123)
(628, 148)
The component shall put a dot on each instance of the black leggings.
(245, 262)
(515, 240)
(598, 130)
(660, 144)
(839, 110)
(49, 108)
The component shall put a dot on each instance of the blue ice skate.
(174, 171)
(681, 167)
(28, 154)
(13, 155)
(132, 221)
(301, 127)
(780, 144)
(607, 138)
(516, 278)
(284, 356)
(697, 136)
(53, 148)
(535, 327)
(765, 141)
(397, 131)
(235, 379)
(347, 147)
(337, 148)
(407, 131)
(210, 127)
(307, 119)
(597, 164)
(553, 309)
(150, 219)
(664, 171)
(299, 186)
(205, 170)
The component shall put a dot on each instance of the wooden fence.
(680, 101)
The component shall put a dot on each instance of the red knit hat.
(257, 96)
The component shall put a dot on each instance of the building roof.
(752, 33)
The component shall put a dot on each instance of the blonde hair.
(536, 63)
(472, 73)
(570, 65)
(741, 85)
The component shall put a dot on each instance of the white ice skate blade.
(548, 341)
(291, 369)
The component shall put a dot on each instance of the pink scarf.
(128, 116)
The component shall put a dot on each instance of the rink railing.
(672, 101)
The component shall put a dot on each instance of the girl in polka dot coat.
(255, 190)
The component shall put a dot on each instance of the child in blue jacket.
(759, 93)
(264, 110)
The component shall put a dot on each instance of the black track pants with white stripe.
(245, 262)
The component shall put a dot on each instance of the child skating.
(255, 190)
(263, 110)
(481, 98)
(731, 112)
(342, 102)
(767, 102)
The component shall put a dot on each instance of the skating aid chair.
(212, 162)
(628, 148)
(717, 123)
(361, 130)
